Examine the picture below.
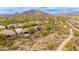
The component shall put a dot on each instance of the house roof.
(20, 25)
(14, 25)
(8, 32)
(2, 26)
(20, 30)
(37, 28)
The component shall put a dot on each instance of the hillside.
(73, 13)
(35, 12)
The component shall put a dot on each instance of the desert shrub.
(2, 36)
(48, 27)
(15, 46)
(44, 32)
(50, 46)
(28, 24)
(37, 34)
(76, 33)
(68, 46)
(3, 48)
(5, 41)
(31, 30)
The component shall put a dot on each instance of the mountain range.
(39, 12)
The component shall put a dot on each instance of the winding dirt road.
(42, 39)
(75, 27)
(61, 46)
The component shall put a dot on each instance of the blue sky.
(51, 10)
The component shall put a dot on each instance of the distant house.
(21, 25)
(9, 33)
(15, 25)
(12, 26)
(21, 31)
(2, 27)
(35, 23)
(37, 28)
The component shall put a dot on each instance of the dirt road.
(74, 26)
(61, 46)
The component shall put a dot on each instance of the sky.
(50, 10)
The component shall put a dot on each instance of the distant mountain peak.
(35, 13)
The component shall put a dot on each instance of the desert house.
(2, 27)
(21, 25)
(8, 33)
(21, 31)
(37, 28)
(12, 26)
(15, 25)
(36, 23)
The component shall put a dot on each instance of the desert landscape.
(37, 30)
